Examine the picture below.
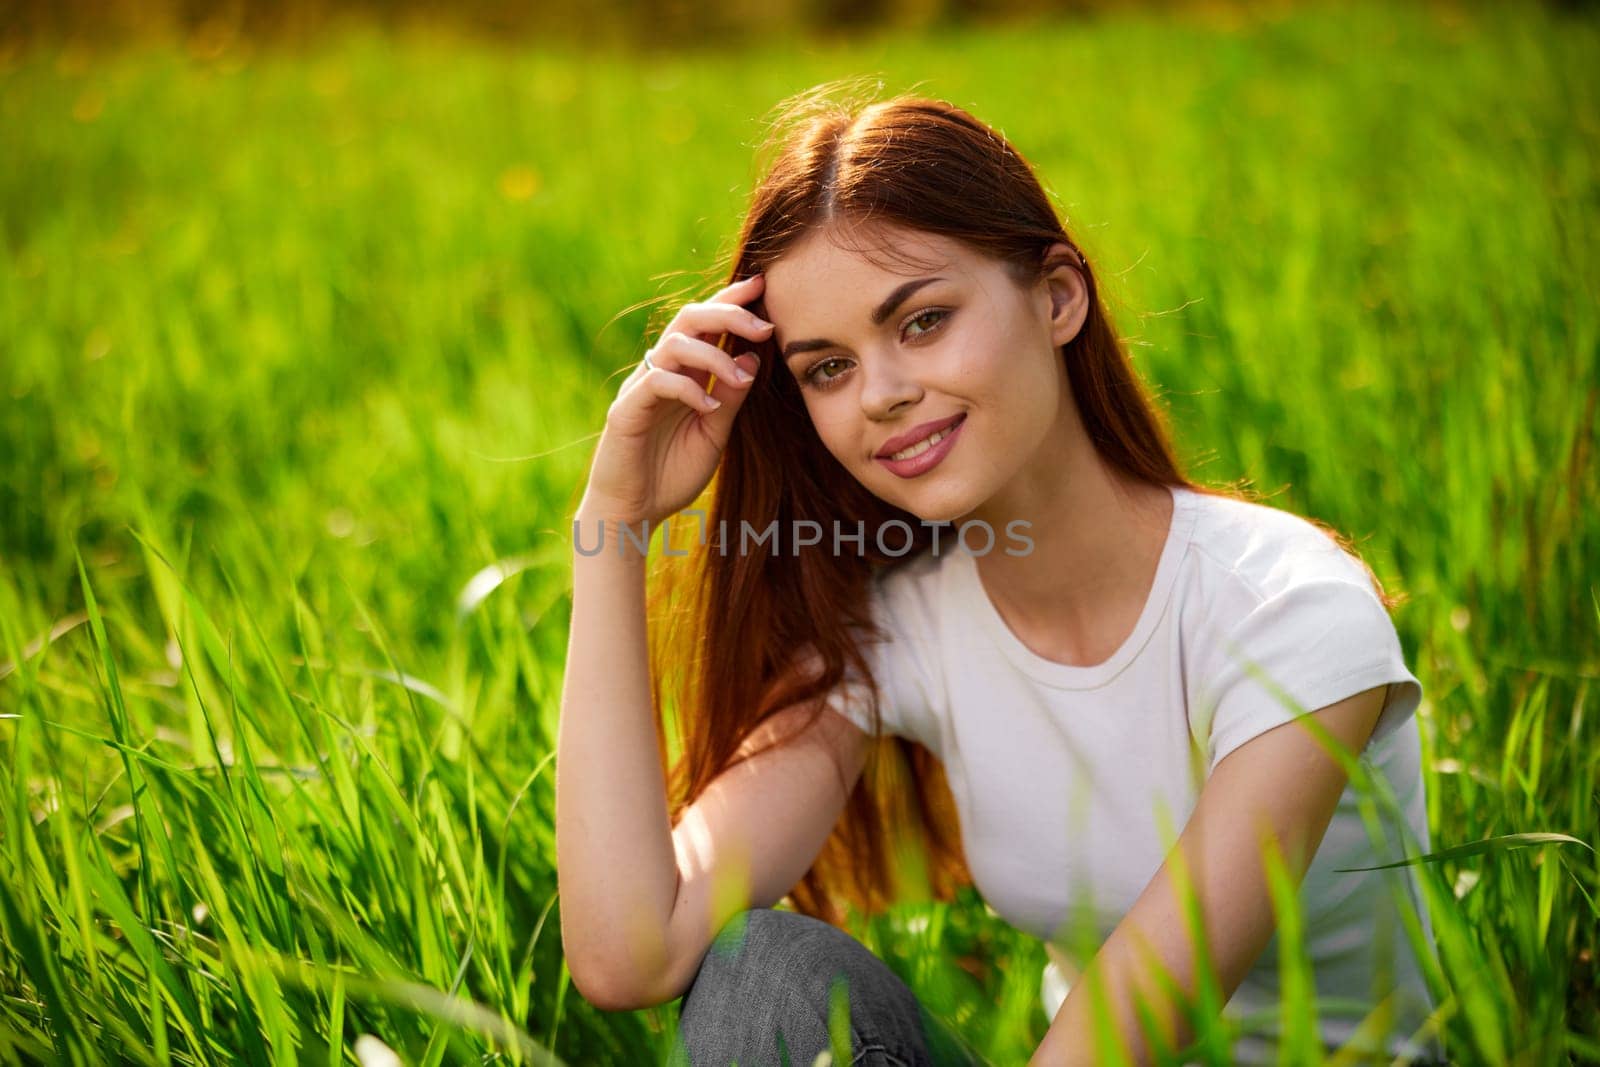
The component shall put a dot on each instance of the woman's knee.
(772, 971)
(763, 946)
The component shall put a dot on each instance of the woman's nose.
(886, 386)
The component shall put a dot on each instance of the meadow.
(302, 353)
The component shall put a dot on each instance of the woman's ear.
(1069, 292)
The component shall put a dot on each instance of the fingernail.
(712, 402)
(742, 375)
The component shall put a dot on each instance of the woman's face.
(882, 352)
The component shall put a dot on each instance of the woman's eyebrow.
(879, 314)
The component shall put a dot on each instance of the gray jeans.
(762, 994)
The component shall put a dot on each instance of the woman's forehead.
(873, 247)
(857, 267)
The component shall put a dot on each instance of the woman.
(952, 579)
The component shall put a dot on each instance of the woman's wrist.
(601, 531)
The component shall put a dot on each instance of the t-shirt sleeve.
(905, 675)
(1299, 650)
(852, 697)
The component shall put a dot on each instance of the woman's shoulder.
(1276, 607)
(910, 599)
(916, 580)
(1254, 551)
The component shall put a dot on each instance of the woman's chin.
(936, 507)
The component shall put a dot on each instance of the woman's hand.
(664, 433)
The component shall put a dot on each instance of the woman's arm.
(1281, 787)
(663, 438)
(616, 869)
(640, 899)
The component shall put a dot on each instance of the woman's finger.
(658, 386)
(639, 403)
(677, 351)
(742, 291)
(714, 318)
(718, 425)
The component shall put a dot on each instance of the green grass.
(294, 345)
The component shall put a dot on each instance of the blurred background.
(636, 24)
(309, 316)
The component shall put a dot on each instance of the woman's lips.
(928, 459)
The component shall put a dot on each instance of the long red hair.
(727, 620)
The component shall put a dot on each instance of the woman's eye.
(817, 376)
(939, 315)
(819, 379)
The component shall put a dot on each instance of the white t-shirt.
(1071, 782)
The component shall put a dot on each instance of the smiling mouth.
(926, 443)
